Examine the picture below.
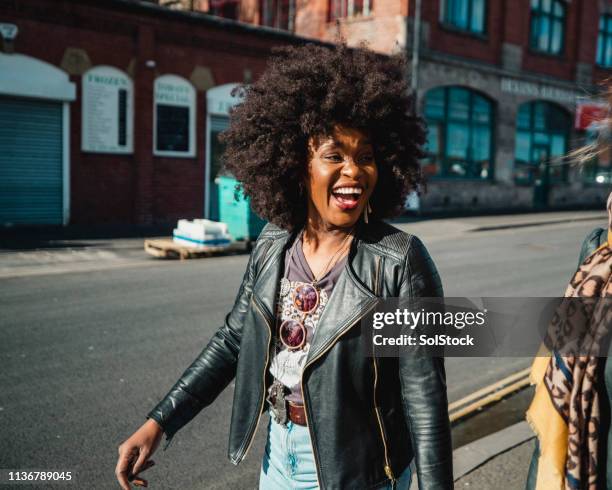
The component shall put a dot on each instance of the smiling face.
(342, 175)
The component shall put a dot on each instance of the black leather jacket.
(368, 417)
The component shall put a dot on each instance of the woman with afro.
(326, 145)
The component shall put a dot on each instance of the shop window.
(278, 13)
(465, 15)
(542, 135)
(174, 113)
(459, 134)
(604, 41)
(339, 9)
(547, 26)
(108, 111)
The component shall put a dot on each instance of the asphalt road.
(85, 355)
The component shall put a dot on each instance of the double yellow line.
(487, 395)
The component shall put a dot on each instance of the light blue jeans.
(288, 462)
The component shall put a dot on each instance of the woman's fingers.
(122, 470)
(142, 457)
(140, 482)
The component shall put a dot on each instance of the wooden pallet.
(166, 248)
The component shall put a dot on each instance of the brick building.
(109, 109)
(498, 81)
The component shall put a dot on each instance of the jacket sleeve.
(423, 383)
(212, 370)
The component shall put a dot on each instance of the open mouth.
(347, 197)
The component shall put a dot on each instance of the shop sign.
(108, 111)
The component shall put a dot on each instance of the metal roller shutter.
(31, 177)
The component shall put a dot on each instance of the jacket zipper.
(314, 451)
(250, 437)
(388, 470)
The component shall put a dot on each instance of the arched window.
(460, 133)
(542, 132)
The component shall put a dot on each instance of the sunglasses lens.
(306, 298)
(292, 334)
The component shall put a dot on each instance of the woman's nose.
(350, 168)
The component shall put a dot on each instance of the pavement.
(51, 251)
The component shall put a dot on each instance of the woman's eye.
(334, 157)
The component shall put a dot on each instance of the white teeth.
(348, 190)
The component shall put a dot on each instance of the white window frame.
(191, 104)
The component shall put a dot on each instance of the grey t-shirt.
(287, 365)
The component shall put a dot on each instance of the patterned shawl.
(565, 411)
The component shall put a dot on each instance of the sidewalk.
(34, 252)
(499, 461)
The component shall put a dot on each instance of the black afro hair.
(304, 92)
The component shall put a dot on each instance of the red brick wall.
(138, 188)
(444, 39)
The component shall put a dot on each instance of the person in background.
(570, 412)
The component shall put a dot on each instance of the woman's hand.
(134, 453)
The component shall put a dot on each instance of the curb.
(534, 223)
(471, 456)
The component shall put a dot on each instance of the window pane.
(434, 104)
(433, 139)
(607, 59)
(172, 128)
(481, 110)
(459, 13)
(523, 146)
(481, 143)
(557, 37)
(558, 9)
(543, 35)
(457, 144)
(600, 50)
(357, 7)
(535, 4)
(557, 145)
(609, 22)
(459, 104)
(477, 22)
(524, 116)
(540, 116)
(546, 5)
(541, 138)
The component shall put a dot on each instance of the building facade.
(501, 84)
(110, 109)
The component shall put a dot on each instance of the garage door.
(31, 177)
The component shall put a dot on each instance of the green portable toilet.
(220, 204)
(242, 222)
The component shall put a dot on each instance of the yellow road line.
(489, 394)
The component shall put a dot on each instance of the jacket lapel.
(270, 274)
(348, 302)
(349, 299)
